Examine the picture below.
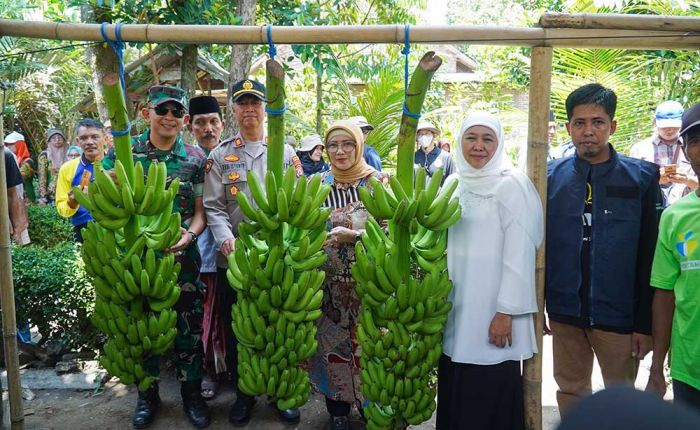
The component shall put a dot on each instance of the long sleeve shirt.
(493, 270)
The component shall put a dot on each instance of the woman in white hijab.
(491, 261)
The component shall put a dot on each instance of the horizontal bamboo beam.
(481, 35)
(620, 21)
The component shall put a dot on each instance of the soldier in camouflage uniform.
(226, 174)
(167, 114)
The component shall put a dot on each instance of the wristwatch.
(194, 236)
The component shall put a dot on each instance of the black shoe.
(146, 407)
(193, 403)
(240, 412)
(290, 415)
(339, 423)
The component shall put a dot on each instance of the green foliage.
(636, 101)
(210, 12)
(46, 228)
(381, 103)
(326, 60)
(52, 289)
(53, 292)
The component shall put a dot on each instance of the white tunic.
(491, 263)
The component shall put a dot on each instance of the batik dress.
(335, 368)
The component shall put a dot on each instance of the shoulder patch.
(233, 190)
(207, 167)
(238, 142)
(232, 157)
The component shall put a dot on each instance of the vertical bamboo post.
(7, 295)
(537, 148)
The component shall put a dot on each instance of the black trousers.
(77, 235)
(479, 397)
(686, 395)
(337, 408)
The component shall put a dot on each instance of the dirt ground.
(112, 408)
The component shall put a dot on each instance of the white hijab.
(518, 194)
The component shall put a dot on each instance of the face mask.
(425, 140)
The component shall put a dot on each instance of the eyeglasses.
(345, 146)
(162, 110)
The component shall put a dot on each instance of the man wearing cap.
(370, 154)
(206, 125)
(50, 161)
(226, 172)
(664, 149)
(166, 114)
(428, 155)
(90, 137)
(602, 222)
(675, 274)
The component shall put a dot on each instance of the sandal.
(209, 388)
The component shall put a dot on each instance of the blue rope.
(118, 46)
(271, 48)
(275, 112)
(405, 51)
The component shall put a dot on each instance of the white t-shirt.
(492, 266)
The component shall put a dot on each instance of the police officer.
(429, 156)
(226, 176)
(166, 114)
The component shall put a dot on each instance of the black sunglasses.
(162, 110)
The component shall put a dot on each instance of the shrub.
(53, 292)
(47, 228)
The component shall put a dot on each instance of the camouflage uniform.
(185, 162)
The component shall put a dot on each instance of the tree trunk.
(319, 99)
(319, 103)
(101, 58)
(188, 69)
(241, 56)
(188, 77)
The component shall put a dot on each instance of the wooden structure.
(556, 31)
(162, 66)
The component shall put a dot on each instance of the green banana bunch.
(113, 204)
(135, 286)
(274, 270)
(403, 315)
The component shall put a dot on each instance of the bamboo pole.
(620, 21)
(275, 123)
(480, 35)
(537, 148)
(7, 295)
